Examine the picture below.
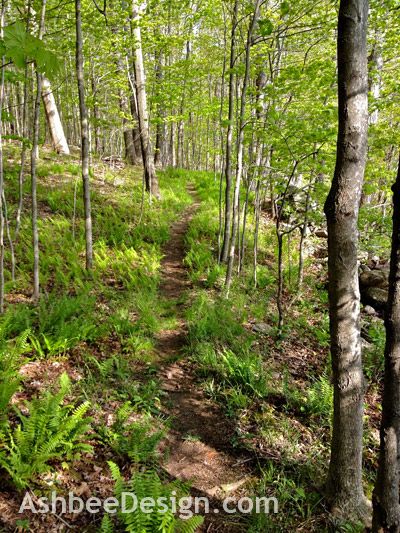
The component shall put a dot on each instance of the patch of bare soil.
(199, 444)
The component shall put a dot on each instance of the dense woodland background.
(195, 198)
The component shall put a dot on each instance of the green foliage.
(215, 322)
(292, 495)
(136, 439)
(266, 27)
(20, 46)
(10, 379)
(243, 371)
(161, 518)
(320, 398)
(51, 431)
(373, 356)
(62, 322)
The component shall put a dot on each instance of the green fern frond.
(51, 431)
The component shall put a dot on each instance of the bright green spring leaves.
(19, 46)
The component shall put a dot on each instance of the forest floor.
(181, 383)
(199, 443)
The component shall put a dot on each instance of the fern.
(137, 440)
(9, 376)
(106, 525)
(147, 484)
(320, 398)
(51, 431)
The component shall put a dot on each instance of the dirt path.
(199, 443)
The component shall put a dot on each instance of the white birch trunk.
(53, 119)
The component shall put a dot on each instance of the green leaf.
(285, 8)
(15, 43)
(266, 27)
(20, 46)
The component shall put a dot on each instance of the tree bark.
(135, 129)
(129, 145)
(96, 115)
(229, 140)
(56, 129)
(344, 483)
(25, 133)
(84, 136)
(143, 115)
(2, 15)
(386, 493)
(34, 157)
(130, 152)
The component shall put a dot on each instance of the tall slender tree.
(84, 136)
(344, 484)
(2, 15)
(229, 138)
(34, 157)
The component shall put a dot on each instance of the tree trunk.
(3, 10)
(386, 493)
(135, 129)
(144, 123)
(160, 130)
(375, 78)
(84, 136)
(229, 140)
(130, 152)
(344, 483)
(34, 157)
(239, 168)
(96, 115)
(129, 145)
(172, 147)
(257, 206)
(25, 134)
(303, 234)
(56, 129)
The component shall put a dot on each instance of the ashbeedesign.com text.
(184, 507)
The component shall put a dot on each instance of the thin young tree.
(21, 176)
(34, 158)
(229, 139)
(386, 516)
(84, 136)
(2, 15)
(344, 483)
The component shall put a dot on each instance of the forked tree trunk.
(84, 136)
(386, 493)
(344, 483)
(143, 115)
(56, 129)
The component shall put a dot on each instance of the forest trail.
(199, 443)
